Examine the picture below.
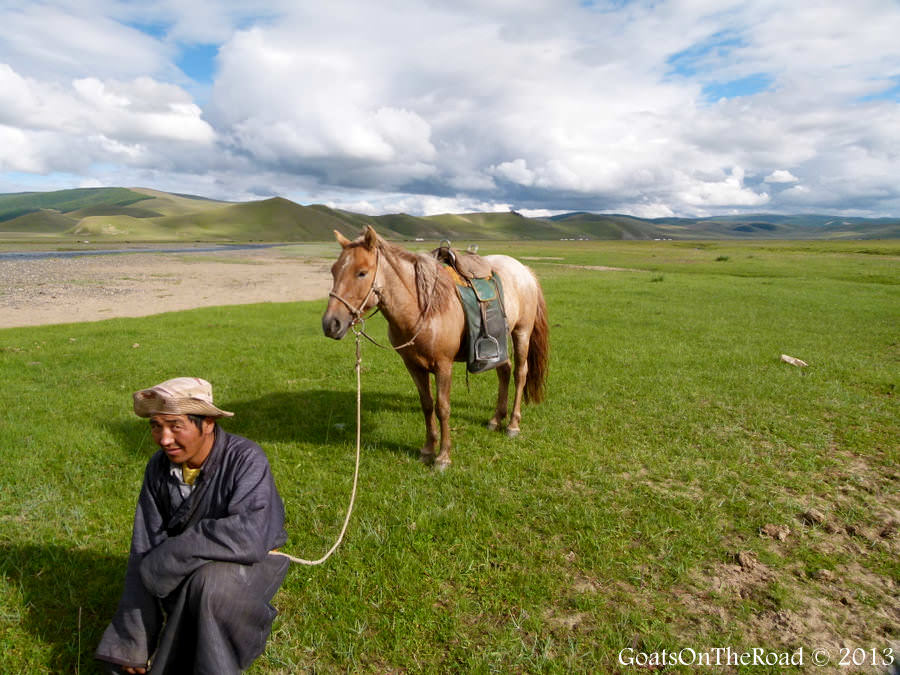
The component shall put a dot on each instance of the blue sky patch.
(887, 94)
(198, 62)
(705, 55)
(155, 30)
(745, 86)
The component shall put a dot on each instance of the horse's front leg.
(423, 384)
(502, 397)
(442, 379)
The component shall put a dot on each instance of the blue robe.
(200, 578)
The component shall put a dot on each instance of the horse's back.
(521, 291)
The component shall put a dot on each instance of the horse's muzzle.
(333, 326)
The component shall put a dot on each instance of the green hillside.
(64, 201)
(508, 225)
(42, 221)
(141, 214)
(168, 204)
(597, 226)
(275, 219)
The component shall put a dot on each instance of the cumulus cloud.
(56, 127)
(781, 176)
(730, 191)
(516, 171)
(672, 108)
(57, 42)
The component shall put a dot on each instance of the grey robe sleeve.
(132, 634)
(242, 535)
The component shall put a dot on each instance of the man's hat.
(181, 396)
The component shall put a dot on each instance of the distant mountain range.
(139, 214)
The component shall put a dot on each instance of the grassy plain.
(680, 488)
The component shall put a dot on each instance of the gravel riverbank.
(91, 288)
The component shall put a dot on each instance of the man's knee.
(213, 586)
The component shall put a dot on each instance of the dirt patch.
(845, 608)
(822, 579)
(91, 288)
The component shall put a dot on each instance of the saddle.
(481, 295)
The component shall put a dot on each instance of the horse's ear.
(370, 237)
(341, 239)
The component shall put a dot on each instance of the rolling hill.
(140, 214)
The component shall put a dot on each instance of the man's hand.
(128, 669)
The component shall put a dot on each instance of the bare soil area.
(91, 288)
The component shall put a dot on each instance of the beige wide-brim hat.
(180, 396)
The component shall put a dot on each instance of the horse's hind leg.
(502, 397)
(520, 344)
(423, 384)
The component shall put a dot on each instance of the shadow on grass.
(55, 583)
(310, 416)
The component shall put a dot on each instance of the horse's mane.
(434, 290)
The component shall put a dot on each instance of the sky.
(652, 108)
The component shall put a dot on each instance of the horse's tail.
(538, 352)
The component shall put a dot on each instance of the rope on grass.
(301, 561)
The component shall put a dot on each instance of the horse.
(426, 326)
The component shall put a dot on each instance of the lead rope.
(301, 561)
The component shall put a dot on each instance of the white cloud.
(450, 105)
(52, 127)
(60, 42)
(538, 213)
(781, 176)
(729, 191)
(516, 171)
(17, 151)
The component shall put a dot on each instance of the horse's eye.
(362, 274)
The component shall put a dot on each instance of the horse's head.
(353, 291)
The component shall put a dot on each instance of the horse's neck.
(398, 298)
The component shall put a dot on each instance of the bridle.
(358, 318)
(357, 313)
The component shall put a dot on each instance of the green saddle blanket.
(486, 329)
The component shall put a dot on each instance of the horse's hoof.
(512, 433)
(441, 465)
(492, 425)
(426, 458)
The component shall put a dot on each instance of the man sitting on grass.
(200, 577)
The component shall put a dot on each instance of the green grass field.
(680, 488)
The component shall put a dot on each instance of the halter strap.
(358, 318)
(357, 313)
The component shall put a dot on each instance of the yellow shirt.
(189, 475)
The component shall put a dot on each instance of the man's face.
(181, 440)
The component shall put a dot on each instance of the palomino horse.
(426, 325)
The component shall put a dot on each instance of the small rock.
(779, 532)
(794, 361)
(861, 532)
(747, 560)
(813, 517)
(136, 345)
(889, 531)
(825, 575)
